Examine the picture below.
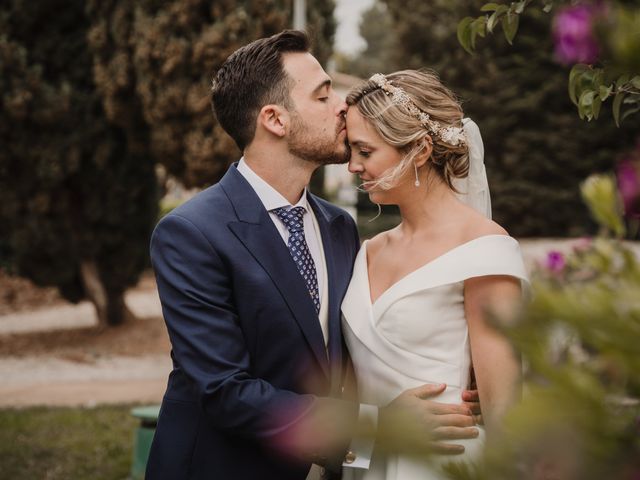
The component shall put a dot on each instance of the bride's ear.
(274, 119)
(425, 153)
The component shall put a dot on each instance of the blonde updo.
(402, 130)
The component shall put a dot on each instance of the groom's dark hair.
(252, 77)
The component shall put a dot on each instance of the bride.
(416, 310)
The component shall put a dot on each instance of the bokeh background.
(106, 125)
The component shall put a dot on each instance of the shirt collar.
(269, 196)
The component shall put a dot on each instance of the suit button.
(350, 457)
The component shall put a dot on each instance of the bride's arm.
(497, 368)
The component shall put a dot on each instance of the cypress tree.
(76, 202)
(166, 53)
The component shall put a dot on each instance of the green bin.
(142, 438)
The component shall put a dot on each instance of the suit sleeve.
(207, 341)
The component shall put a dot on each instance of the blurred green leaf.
(595, 107)
(519, 6)
(605, 92)
(492, 21)
(629, 112)
(617, 103)
(574, 78)
(510, 26)
(585, 103)
(464, 33)
(490, 7)
(601, 196)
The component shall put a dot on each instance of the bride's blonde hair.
(403, 130)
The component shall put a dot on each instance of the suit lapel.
(258, 234)
(335, 277)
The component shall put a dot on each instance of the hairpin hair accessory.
(452, 135)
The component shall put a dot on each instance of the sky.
(348, 14)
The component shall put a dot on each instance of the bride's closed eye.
(364, 153)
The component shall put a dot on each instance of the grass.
(66, 443)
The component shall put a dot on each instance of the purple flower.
(555, 261)
(629, 187)
(573, 33)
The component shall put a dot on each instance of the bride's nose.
(355, 166)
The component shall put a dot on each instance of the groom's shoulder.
(206, 208)
(211, 200)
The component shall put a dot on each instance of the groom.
(251, 274)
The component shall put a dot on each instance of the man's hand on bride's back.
(414, 422)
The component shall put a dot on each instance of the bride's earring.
(417, 182)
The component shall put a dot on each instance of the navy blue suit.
(247, 345)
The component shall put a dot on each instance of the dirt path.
(45, 380)
(57, 356)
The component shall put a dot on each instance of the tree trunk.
(110, 306)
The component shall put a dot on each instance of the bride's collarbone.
(398, 256)
(390, 264)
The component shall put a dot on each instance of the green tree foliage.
(76, 202)
(154, 60)
(602, 34)
(537, 150)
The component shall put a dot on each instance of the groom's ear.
(425, 153)
(274, 119)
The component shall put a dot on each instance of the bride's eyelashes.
(364, 153)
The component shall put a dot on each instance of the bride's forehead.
(355, 120)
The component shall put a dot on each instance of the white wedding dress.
(416, 333)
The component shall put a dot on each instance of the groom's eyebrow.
(326, 83)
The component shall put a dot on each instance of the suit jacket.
(248, 352)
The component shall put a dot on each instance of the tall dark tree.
(380, 52)
(77, 200)
(537, 149)
(165, 53)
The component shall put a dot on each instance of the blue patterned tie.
(292, 218)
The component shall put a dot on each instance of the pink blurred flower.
(555, 261)
(575, 41)
(629, 185)
(582, 245)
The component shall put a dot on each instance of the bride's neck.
(429, 207)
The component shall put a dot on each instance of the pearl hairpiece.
(452, 135)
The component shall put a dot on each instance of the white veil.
(474, 189)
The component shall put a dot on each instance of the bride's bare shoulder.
(376, 243)
(477, 225)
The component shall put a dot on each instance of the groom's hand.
(415, 423)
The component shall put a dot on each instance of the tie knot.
(292, 218)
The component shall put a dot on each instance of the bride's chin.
(379, 198)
